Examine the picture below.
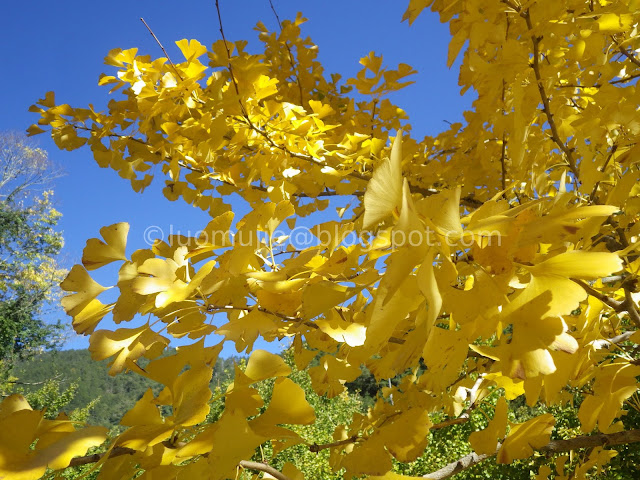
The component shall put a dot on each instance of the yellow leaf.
(330, 375)
(127, 344)
(579, 264)
(485, 442)
(611, 22)
(383, 195)
(86, 319)
(288, 405)
(405, 435)
(353, 334)
(98, 253)
(20, 427)
(526, 437)
(263, 365)
(144, 412)
(321, 297)
(368, 458)
(79, 281)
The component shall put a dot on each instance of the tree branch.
(263, 467)
(118, 451)
(458, 466)
(162, 48)
(315, 448)
(554, 446)
(611, 302)
(631, 57)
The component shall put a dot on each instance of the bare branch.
(554, 446)
(630, 56)
(611, 302)
(263, 467)
(162, 48)
(118, 451)
(316, 448)
(458, 466)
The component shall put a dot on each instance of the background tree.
(496, 262)
(29, 246)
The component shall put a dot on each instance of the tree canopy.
(496, 260)
(29, 246)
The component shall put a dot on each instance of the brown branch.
(87, 459)
(614, 148)
(630, 306)
(625, 79)
(161, 47)
(286, 44)
(118, 451)
(229, 67)
(503, 156)
(315, 448)
(627, 305)
(546, 105)
(464, 418)
(553, 447)
(628, 55)
(263, 467)
(590, 441)
(458, 466)
(611, 302)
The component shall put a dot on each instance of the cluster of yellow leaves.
(56, 441)
(500, 254)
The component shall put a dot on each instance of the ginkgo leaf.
(614, 383)
(79, 281)
(127, 344)
(331, 374)
(226, 442)
(579, 264)
(485, 442)
(144, 412)
(353, 334)
(244, 331)
(191, 394)
(383, 195)
(20, 427)
(288, 405)
(320, 297)
(86, 319)
(368, 458)
(263, 365)
(405, 436)
(98, 253)
(526, 437)
(611, 22)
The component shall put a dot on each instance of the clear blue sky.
(60, 46)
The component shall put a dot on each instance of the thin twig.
(229, 66)
(628, 55)
(161, 47)
(614, 148)
(545, 99)
(286, 45)
(315, 448)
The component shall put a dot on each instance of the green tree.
(29, 246)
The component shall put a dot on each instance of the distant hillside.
(117, 394)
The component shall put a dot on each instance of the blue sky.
(61, 45)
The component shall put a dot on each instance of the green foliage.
(329, 414)
(109, 396)
(29, 246)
